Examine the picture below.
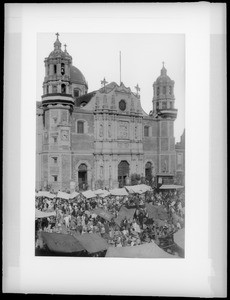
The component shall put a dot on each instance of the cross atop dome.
(104, 82)
(57, 44)
(163, 70)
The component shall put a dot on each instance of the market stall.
(89, 194)
(92, 242)
(149, 250)
(119, 192)
(123, 213)
(61, 243)
(63, 195)
(179, 237)
(43, 214)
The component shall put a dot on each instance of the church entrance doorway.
(148, 171)
(82, 177)
(123, 172)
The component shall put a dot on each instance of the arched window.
(55, 69)
(148, 170)
(62, 68)
(47, 89)
(158, 91)
(63, 88)
(82, 167)
(76, 93)
(171, 104)
(146, 131)
(164, 105)
(82, 176)
(123, 172)
(80, 127)
(54, 89)
(164, 90)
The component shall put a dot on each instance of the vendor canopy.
(156, 212)
(45, 194)
(73, 195)
(170, 187)
(124, 213)
(43, 214)
(179, 238)
(89, 194)
(102, 193)
(62, 243)
(138, 189)
(92, 242)
(103, 214)
(149, 250)
(119, 192)
(63, 195)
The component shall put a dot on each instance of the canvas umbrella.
(179, 238)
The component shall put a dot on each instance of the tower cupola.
(163, 95)
(57, 81)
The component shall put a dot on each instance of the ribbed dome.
(58, 53)
(163, 77)
(76, 76)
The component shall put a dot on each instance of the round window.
(122, 105)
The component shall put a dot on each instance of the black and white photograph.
(114, 149)
(110, 167)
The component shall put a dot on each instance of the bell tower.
(163, 95)
(57, 74)
(57, 105)
(165, 114)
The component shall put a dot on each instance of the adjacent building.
(180, 160)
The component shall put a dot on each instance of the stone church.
(100, 139)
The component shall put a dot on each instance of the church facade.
(100, 139)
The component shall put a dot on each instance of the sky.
(97, 56)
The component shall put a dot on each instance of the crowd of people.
(78, 216)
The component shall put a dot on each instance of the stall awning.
(73, 195)
(102, 193)
(156, 212)
(149, 250)
(102, 213)
(43, 214)
(45, 194)
(92, 242)
(61, 243)
(119, 192)
(152, 211)
(179, 238)
(89, 194)
(124, 212)
(170, 187)
(145, 187)
(138, 189)
(63, 195)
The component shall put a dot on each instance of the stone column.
(51, 69)
(46, 69)
(66, 70)
(58, 69)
